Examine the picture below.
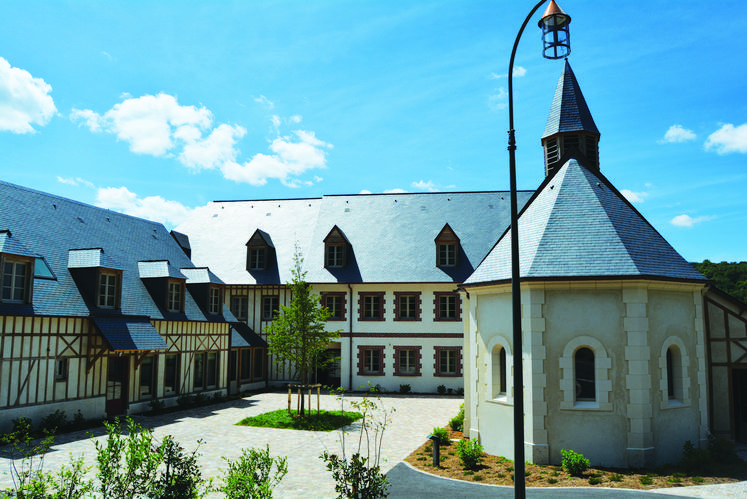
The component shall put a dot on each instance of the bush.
(55, 422)
(457, 422)
(252, 475)
(470, 452)
(182, 477)
(460, 391)
(722, 450)
(156, 406)
(442, 434)
(405, 389)
(574, 462)
(441, 389)
(695, 461)
(595, 480)
(354, 478)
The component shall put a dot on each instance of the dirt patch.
(496, 470)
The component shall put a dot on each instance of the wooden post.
(318, 397)
(289, 400)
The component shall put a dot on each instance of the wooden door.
(116, 386)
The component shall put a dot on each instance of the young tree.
(298, 333)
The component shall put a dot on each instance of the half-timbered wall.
(30, 348)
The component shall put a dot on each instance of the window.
(214, 301)
(335, 303)
(60, 369)
(406, 306)
(259, 364)
(108, 290)
(585, 379)
(246, 364)
(448, 307)
(447, 248)
(147, 377)
(447, 255)
(240, 307)
(206, 370)
(371, 306)
(256, 259)
(175, 297)
(371, 360)
(448, 361)
(270, 307)
(499, 380)
(407, 361)
(675, 383)
(233, 374)
(16, 281)
(199, 374)
(171, 374)
(585, 382)
(334, 255)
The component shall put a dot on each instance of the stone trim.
(682, 380)
(602, 381)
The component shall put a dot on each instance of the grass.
(324, 421)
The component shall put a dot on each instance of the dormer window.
(109, 289)
(16, 279)
(175, 301)
(447, 248)
(256, 259)
(259, 249)
(335, 249)
(214, 300)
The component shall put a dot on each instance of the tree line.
(730, 277)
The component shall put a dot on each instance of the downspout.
(350, 331)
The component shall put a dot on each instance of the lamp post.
(556, 45)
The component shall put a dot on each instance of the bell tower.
(570, 130)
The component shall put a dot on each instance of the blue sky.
(156, 108)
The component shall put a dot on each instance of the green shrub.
(252, 474)
(595, 480)
(460, 391)
(182, 477)
(722, 450)
(457, 422)
(354, 478)
(695, 461)
(470, 453)
(574, 462)
(405, 388)
(646, 480)
(442, 434)
(157, 406)
(552, 481)
(441, 389)
(55, 422)
(616, 477)
(698, 479)
(477, 478)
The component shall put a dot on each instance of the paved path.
(412, 421)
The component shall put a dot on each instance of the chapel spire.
(570, 129)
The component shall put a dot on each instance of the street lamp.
(556, 45)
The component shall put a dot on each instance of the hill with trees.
(730, 277)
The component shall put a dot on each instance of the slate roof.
(50, 226)
(242, 336)
(569, 112)
(579, 226)
(392, 235)
(123, 333)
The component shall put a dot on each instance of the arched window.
(585, 376)
(499, 371)
(674, 362)
(585, 382)
(499, 379)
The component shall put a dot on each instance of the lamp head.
(556, 38)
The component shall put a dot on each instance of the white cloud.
(214, 150)
(291, 157)
(498, 100)
(728, 139)
(365, 191)
(155, 208)
(518, 72)
(425, 186)
(75, 181)
(265, 102)
(24, 100)
(688, 221)
(395, 191)
(634, 197)
(151, 124)
(677, 133)
(159, 126)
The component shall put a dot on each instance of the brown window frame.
(343, 305)
(253, 262)
(217, 307)
(117, 274)
(362, 349)
(333, 259)
(398, 308)
(273, 310)
(437, 362)
(28, 281)
(362, 296)
(234, 309)
(418, 360)
(169, 300)
(438, 307)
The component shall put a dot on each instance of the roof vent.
(81, 220)
(268, 214)
(347, 210)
